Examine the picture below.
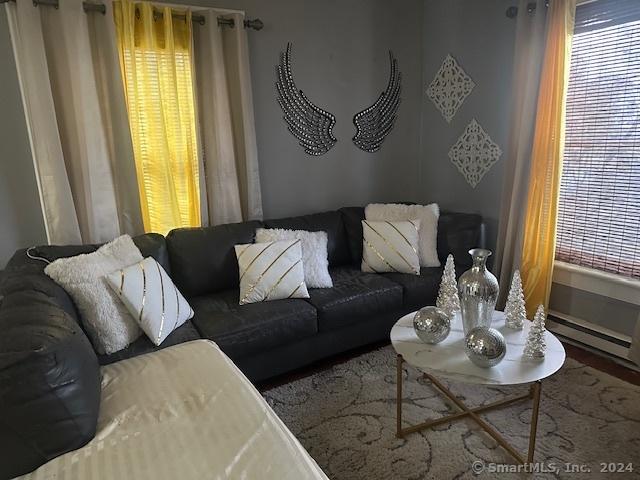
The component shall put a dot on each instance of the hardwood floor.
(602, 363)
(594, 360)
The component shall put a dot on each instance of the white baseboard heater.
(590, 334)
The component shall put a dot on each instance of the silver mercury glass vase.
(478, 290)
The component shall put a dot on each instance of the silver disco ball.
(432, 325)
(485, 347)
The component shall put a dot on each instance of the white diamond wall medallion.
(449, 88)
(474, 153)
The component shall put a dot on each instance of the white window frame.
(606, 284)
(625, 289)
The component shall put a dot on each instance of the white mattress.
(185, 412)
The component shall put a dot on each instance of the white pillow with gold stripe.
(390, 247)
(151, 297)
(271, 271)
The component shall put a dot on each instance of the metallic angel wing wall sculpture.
(374, 123)
(310, 124)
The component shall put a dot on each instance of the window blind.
(599, 207)
(156, 62)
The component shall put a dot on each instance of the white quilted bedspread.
(185, 412)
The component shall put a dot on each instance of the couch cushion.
(457, 234)
(330, 222)
(184, 333)
(149, 244)
(154, 245)
(26, 274)
(242, 330)
(203, 259)
(354, 297)
(418, 290)
(352, 218)
(185, 413)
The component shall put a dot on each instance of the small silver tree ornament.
(535, 345)
(515, 310)
(448, 299)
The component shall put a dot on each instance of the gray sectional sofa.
(49, 372)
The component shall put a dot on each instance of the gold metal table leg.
(536, 390)
(399, 397)
(534, 394)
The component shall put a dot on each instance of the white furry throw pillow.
(314, 253)
(105, 318)
(428, 216)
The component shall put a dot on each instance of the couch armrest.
(49, 383)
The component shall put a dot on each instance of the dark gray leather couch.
(49, 372)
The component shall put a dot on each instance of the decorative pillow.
(428, 234)
(151, 298)
(105, 319)
(390, 247)
(271, 271)
(315, 258)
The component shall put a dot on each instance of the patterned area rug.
(345, 417)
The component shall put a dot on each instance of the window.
(156, 60)
(599, 208)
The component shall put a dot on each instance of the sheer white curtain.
(528, 56)
(76, 118)
(230, 186)
(69, 73)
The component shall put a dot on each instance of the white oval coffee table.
(448, 359)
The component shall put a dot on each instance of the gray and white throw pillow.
(428, 234)
(390, 247)
(315, 256)
(271, 271)
(151, 298)
(104, 317)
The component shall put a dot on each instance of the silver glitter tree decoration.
(515, 310)
(448, 299)
(535, 345)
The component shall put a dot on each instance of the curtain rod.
(255, 24)
(512, 12)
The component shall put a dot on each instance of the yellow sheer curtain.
(155, 50)
(539, 244)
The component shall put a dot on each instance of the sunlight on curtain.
(539, 243)
(156, 57)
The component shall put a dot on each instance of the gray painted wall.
(480, 37)
(21, 221)
(340, 60)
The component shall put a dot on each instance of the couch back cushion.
(149, 244)
(330, 222)
(23, 273)
(203, 260)
(154, 245)
(49, 381)
(457, 234)
(352, 218)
